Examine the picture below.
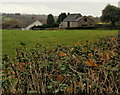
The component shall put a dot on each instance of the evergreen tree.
(50, 20)
(61, 17)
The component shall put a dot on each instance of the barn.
(77, 20)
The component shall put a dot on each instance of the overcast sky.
(84, 7)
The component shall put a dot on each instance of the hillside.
(25, 19)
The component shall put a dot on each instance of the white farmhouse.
(36, 23)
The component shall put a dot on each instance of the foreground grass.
(48, 38)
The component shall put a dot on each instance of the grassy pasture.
(11, 39)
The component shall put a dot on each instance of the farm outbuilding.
(35, 23)
(76, 20)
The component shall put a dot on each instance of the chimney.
(68, 13)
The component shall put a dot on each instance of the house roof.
(29, 22)
(35, 23)
(32, 22)
(76, 17)
(73, 17)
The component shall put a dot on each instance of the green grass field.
(49, 38)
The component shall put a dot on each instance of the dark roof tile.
(72, 17)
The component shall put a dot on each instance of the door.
(68, 24)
